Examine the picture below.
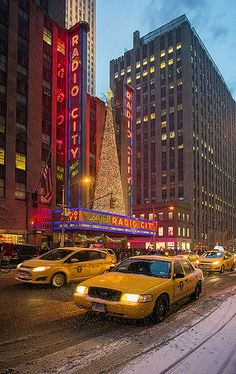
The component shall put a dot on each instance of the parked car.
(62, 265)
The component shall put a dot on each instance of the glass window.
(20, 161)
(61, 46)
(177, 268)
(96, 255)
(20, 191)
(187, 267)
(160, 231)
(161, 216)
(2, 156)
(47, 36)
(56, 254)
(170, 215)
(170, 231)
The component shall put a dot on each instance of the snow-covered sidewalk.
(209, 347)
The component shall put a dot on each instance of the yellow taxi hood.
(130, 283)
(38, 262)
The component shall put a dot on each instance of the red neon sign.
(128, 114)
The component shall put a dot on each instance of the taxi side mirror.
(178, 276)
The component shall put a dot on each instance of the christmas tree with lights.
(108, 179)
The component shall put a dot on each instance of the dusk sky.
(214, 21)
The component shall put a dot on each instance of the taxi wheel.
(58, 280)
(222, 269)
(197, 292)
(161, 309)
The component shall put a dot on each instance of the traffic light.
(35, 199)
(112, 202)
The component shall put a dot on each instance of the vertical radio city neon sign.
(128, 92)
(74, 106)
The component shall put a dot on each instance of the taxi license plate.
(97, 307)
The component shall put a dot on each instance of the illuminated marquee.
(106, 218)
(128, 92)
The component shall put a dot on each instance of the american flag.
(46, 184)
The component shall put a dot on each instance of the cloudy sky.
(214, 21)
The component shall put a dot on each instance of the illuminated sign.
(60, 119)
(95, 220)
(128, 92)
(74, 93)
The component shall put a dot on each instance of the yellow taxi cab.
(216, 261)
(63, 265)
(140, 287)
(190, 256)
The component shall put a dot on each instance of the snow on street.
(208, 347)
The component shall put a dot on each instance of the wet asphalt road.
(38, 320)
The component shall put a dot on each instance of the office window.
(47, 36)
(61, 46)
(170, 231)
(179, 231)
(170, 215)
(160, 231)
(20, 191)
(20, 161)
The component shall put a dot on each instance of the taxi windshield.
(56, 254)
(213, 254)
(152, 268)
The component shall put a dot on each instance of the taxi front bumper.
(27, 276)
(115, 308)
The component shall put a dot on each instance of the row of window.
(182, 231)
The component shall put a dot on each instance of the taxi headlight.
(41, 268)
(83, 290)
(185, 257)
(134, 298)
(19, 265)
(197, 262)
(216, 263)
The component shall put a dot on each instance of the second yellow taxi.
(216, 261)
(63, 265)
(140, 287)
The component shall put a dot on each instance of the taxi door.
(98, 262)
(190, 280)
(78, 266)
(228, 260)
(178, 283)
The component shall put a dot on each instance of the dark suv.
(23, 252)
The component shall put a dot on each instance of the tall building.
(85, 10)
(45, 116)
(184, 136)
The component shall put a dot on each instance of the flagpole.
(42, 171)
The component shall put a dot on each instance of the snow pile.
(208, 347)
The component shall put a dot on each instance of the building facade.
(85, 10)
(44, 118)
(184, 129)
